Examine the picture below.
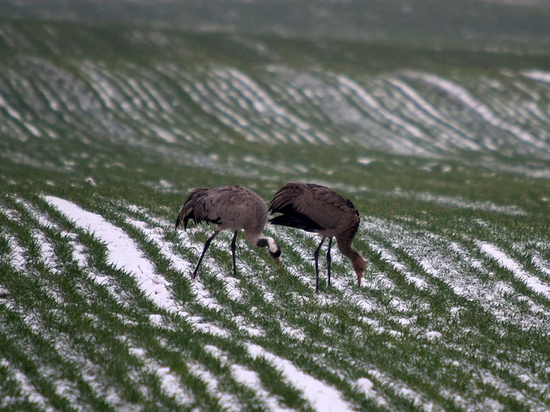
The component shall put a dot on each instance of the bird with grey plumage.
(318, 209)
(233, 208)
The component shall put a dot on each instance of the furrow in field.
(459, 270)
(27, 390)
(204, 297)
(460, 203)
(541, 264)
(401, 390)
(73, 351)
(442, 127)
(16, 40)
(153, 89)
(169, 381)
(295, 98)
(325, 94)
(407, 137)
(103, 87)
(532, 282)
(354, 297)
(213, 101)
(367, 388)
(234, 100)
(124, 254)
(134, 103)
(320, 395)
(248, 378)
(145, 107)
(67, 94)
(51, 374)
(538, 75)
(483, 111)
(265, 105)
(388, 256)
(227, 401)
(16, 256)
(17, 115)
(93, 373)
(396, 108)
(512, 106)
(182, 266)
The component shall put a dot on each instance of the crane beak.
(277, 262)
(359, 277)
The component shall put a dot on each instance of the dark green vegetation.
(446, 154)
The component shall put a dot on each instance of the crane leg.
(329, 259)
(206, 245)
(316, 255)
(233, 247)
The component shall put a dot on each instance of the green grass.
(437, 321)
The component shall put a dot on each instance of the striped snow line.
(480, 108)
(372, 104)
(16, 257)
(102, 87)
(322, 397)
(248, 378)
(28, 391)
(46, 251)
(124, 254)
(228, 401)
(460, 202)
(151, 84)
(181, 265)
(538, 75)
(459, 272)
(432, 116)
(264, 103)
(513, 106)
(540, 263)
(20, 118)
(170, 383)
(402, 390)
(203, 296)
(347, 285)
(353, 107)
(532, 282)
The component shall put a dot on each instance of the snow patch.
(320, 395)
(26, 387)
(532, 282)
(124, 254)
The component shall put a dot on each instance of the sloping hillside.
(446, 154)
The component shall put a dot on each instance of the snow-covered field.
(103, 131)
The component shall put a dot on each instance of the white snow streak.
(123, 253)
(26, 387)
(169, 381)
(247, 377)
(532, 282)
(320, 395)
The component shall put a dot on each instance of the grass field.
(445, 151)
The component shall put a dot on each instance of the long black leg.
(316, 255)
(233, 251)
(206, 245)
(329, 259)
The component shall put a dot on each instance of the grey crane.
(318, 209)
(229, 207)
